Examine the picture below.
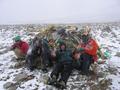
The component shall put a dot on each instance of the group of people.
(63, 60)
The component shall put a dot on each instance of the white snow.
(5, 59)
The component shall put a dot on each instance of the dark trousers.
(76, 64)
(32, 61)
(86, 61)
(47, 59)
(63, 68)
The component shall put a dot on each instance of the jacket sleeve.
(88, 47)
(91, 48)
(24, 47)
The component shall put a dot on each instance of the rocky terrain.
(15, 76)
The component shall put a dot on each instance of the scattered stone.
(13, 59)
(49, 88)
(101, 74)
(10, 73)
(5, 78)
(94, 87)
(3, 51)
(12, 88)
(38, 88)
(1, 64)
(107, 29)
(22, 77)
(104, 84)
(73, 87)
(18, 65)
(118, 54)
(21, 87)
(30, 77)
(114, 35)
(112, 70)
(7, 85)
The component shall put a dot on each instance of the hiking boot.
(52, 80)
(45, 70)
(61, 85)
(31, 69)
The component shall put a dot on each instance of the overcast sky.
(58, 11)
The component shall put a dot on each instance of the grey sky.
(58, 11)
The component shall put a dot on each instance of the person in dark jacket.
(67, 61)
(63, 66)
(76, 59)
(33, 57)
(48, 59)
(20, 47)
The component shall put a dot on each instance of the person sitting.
(76, 59)
(33, 57)
(66, 60)
(20, 48)
(89, 54)
(62, 67)
(52, 49)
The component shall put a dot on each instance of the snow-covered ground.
(108, 77)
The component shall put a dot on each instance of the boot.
(31, 68)
(52, 80)
(61, 85)
(45, 70)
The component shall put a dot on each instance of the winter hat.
(85, 38)
(62, 43)
(17, 38)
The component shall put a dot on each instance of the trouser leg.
(57, 69)
(86, 62)
(85, 67)
(66, 72)
(30, 60)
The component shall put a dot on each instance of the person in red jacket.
(89, 54)
(20, 47)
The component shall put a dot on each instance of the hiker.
(33, 57)
(76, 59)
(52, 49)
(45, 62)
(39, 54)
(89, 54)
(63, 66)
(20, 48)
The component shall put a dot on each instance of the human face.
(51, 42)
(62, 47)
(77, 56)
(85, 32)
